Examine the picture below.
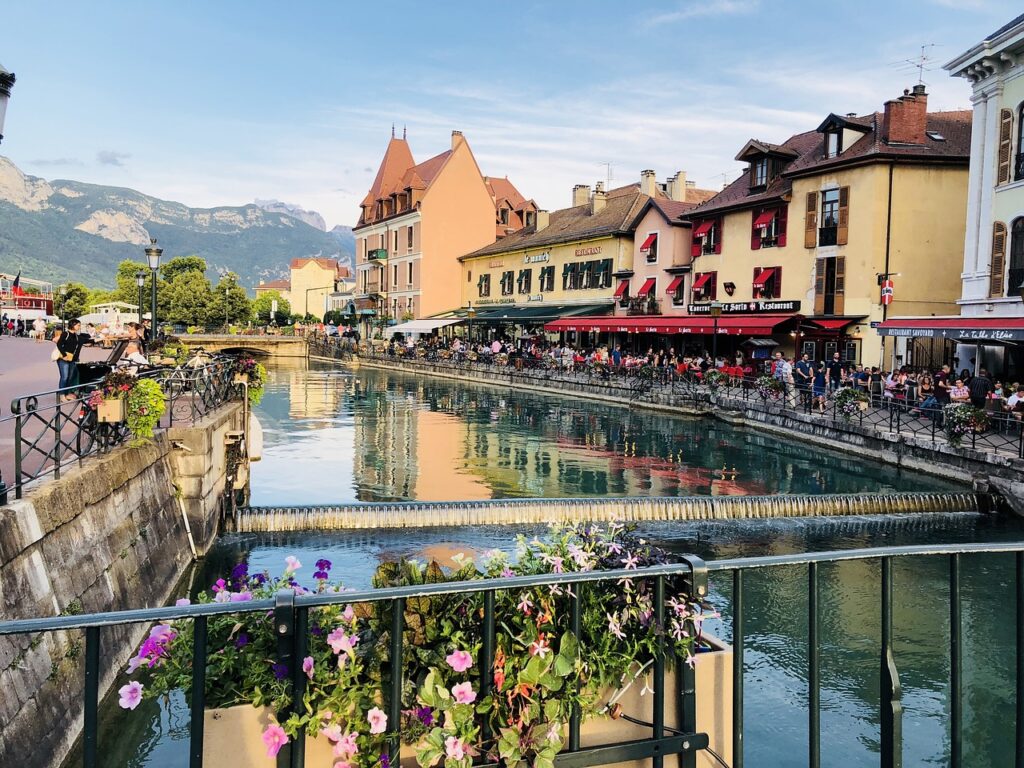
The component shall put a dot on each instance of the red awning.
(764, 277)
(701, 281)
(623, 287)
(674, 285)
(703, 228)
(764, 220)
(646, 288)
(735, 325)
(648, 243)
(834, 325)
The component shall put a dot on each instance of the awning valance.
(621, 290)
(426, 325)
(701, 281)
(702, 229)
(749, 325)
(833, 323)
(968, 329)
(764, 277)
(674, 285)
(764, 220)
(650, 241)
(536, 313)
(646, 288)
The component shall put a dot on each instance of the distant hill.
(345, 239)
(312, 218)
(67, 230)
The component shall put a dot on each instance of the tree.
(190, 299)
(180, 264)
(73, 302)
(262, 304)
(128, 291)
(230, 301)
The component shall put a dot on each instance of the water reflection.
(334, 436)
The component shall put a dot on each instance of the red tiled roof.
(325, 263)
(274, 285)
(503, 189)
(420, 176)
(397, 159)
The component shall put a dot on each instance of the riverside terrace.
(1000, 435)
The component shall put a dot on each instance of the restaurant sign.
(959, 334)
(538, 258)
(747, 308)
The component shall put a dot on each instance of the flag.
(16, 286)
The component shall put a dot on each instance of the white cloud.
(702, 8)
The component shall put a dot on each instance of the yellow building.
(311, 285)
(808, 234)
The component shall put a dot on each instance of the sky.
(222, 103)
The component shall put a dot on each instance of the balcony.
(377, 254)
(827, 235)
(374, 287)
(643, 307)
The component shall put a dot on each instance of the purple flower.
(240, 571)
(280, 671)
(317, 630)
(242, 640)
(220, 585)
(260, 579)
(323, 565)
(385, 761)
(320, 575)
(241, 597)
(426, 716)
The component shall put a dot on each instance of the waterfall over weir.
(427, 514)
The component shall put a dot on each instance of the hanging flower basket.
(111, 411)
(241, 378)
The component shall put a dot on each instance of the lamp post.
(716, 311)
(62, 291)
(153, 255)
(470, 314)
(140, 280)
(6, 83)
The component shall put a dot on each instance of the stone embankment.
(116, 534)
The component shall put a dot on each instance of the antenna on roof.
(392, 130)
(403, 132)
(609, 174)
(920, 62)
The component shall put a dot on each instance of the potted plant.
(249, 371)
(714, 378)
(961, 419)
(850, 401)
(109, 399)
(145, 405)
(538, 673)
(768, 387)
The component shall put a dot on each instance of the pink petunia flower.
(332, 733)
(464, 693)
(348, 614)
(347, 746)
(377, 719)
(341, 642)
(460, 661)
(307, 666)
(454, 748)
(274, 738)
(182, 601)
(540, 646)
(131, 695)
(292, 564)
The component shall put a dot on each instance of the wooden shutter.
(717, 232)
(840, 299)
(819, 286)
(695, 242)
(780, 225)
(755, 233)
(1005, 142)
(811, 221)
(843, 233)
(758, 292)
(998, 266)
(777, 277)
(713, 286)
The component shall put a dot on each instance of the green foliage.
(143, 408)
(189, 297)
(181, 264)
(262, 305)
(229, 300)
(73, 302)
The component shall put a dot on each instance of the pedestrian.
(783, 373)
(820, 388)
(835, 372)
(980, 386)
(69, 346)
(959, 393)
(803, 372)
(39, 330)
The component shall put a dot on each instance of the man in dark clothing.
(803, 374)
(980, 387)
(69, 345)
(835, 372)
(942, 386)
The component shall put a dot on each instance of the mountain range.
(64, 230)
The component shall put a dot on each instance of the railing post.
(18, 421)
(196, 727)
(487, 656)
(659, 667)
(1020, 661)
(955, 665)
(737, 668)
(90, 718)
(576, 626)
(395, 697)
(813, 670)
(284, 628)
(891, 693)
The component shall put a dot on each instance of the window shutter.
(758, 292)
(1005, 141)
(780, 225)
(712, 285)
(840, 299)
(819, 286)
(998, 266)
(717, 232)
(755, 233)
(811, 221)
(843, 233)
(777, 277)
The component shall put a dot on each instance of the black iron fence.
(889, 416)
(291, 615)
(55, 429)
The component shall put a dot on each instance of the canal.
(337, 436)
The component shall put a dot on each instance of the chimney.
(598, 199)
(543, 219)
(675, 187)
(906, 118)
(647, 183)
(580, 194)
(457, 139)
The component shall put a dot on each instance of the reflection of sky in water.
(333, 436)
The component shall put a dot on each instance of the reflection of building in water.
(385, 436)
(441, 473)
(312, 396)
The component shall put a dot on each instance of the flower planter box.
(233, 735)
(110, 411)
(241, 378)
(863, 405)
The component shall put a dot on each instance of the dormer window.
(759, 173)
(503, 215)
(531, 218)
(833, 143)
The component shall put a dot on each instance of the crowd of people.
(69, 341)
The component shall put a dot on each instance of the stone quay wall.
(108, 536)
(976, 467)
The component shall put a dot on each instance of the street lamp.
(140, 280)
(153, 255)
(62, 292)
(715, 309)
(6, 83)
(470, 314)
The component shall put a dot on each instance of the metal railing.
(887, 416)
(55, 429)
(291, 625)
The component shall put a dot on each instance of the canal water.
(333, 436)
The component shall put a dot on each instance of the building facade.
(416, 220)
(814, 228)
(310, 284)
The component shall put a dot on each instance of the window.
(707, 237)
(830, 286)
(525, 280)
(546, 279)
(768, 228)
(759, 173)
(531, 218)
(408, 245)
(833, 143)
(483, 287)
(1016, 274)
(570, 277)
(829, 228)
(705, 286)
(507, 279)
(650, 247)
(606, 274)
(586, 275)
(410, 274)
(503, 215)
(394, 277)
(395, 247)
(1019, 165)
(767, 282)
